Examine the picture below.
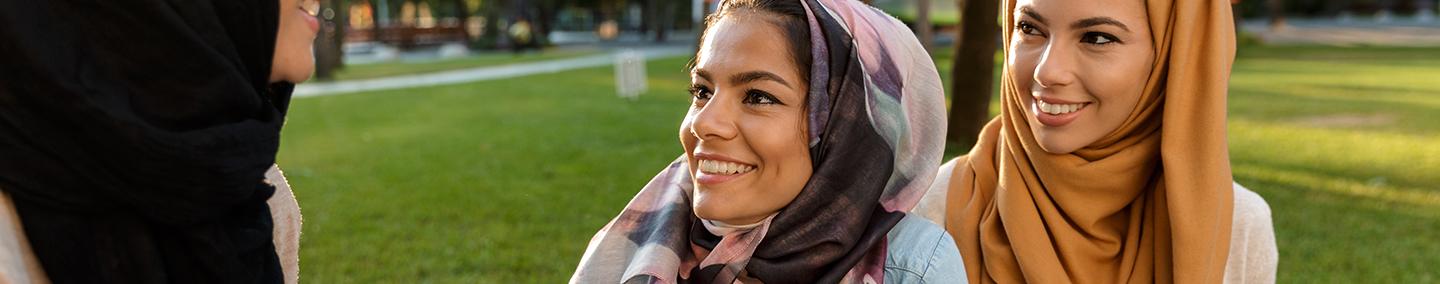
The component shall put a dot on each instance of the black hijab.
(135, 135)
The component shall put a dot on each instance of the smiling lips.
(715, 169)
(311, 21)
(724, 168)
(1056, 113)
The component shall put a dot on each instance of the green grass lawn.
(505, 181)
(396, 68)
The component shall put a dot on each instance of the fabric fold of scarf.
(134, 137)
(1149, 202)
(877, 122)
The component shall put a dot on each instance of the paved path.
(478, 74)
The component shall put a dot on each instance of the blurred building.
(484, 24)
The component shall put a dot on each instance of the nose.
(716, 119)
(1056, 68)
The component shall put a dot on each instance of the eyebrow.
(747, 77)
(752, 76)
(1096, 21)
(1031, 12)
(1088, 22)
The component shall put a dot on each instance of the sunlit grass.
(1345, 146)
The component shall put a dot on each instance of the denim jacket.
(919, 251)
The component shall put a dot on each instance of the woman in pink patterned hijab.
(815, 126)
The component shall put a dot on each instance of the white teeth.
(1057, 108)
(723, 168)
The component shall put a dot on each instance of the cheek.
(295, 36)
(1022, 62)
(1118, 86)
(298, 44)
(294, 59)
(687, 138)
(784, 152)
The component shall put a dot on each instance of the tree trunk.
(545, 22)
(462, 13)
(1236, 12)
(647, 15)
(379, 14)
(663, 17)
(704, 14)
(329, 55)
(922, 24)
(972, 75)
(1277, 14)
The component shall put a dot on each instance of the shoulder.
(1254, 256)
(932, 204)
(919, 251)
(285, 213)
(1252, 217)
(1249, 206)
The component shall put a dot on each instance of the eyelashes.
(1099, 38)
(752, 97)
(700, 92)
(758, 97)
(1092, 37)
(1027, 28)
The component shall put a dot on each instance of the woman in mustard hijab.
(1108, 162)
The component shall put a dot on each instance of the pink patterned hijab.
(876, 108)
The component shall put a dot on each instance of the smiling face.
(294, 58)
(744, 136)
(1083, 64)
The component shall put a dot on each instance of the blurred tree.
(546, 11)
(1235, 15)
(380, 11)
(329, 42)
(972, 74)
(923, 25)
(1277, 14)
(462, 13)
(664, 13)
(704, 12)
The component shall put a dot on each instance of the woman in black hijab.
(135, 136)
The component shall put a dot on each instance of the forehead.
(1068, 10)
(745, 42)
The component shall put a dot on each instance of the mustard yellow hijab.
(1149, 202)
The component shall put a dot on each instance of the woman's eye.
(1027, 28)
(700, 92)
(1098, 38)
(759, 97)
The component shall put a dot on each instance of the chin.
(710, 207)
(707, 211)
(1056, 148)
(294, 76)
(1055, 143)
(292, 67)
(302, 77)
